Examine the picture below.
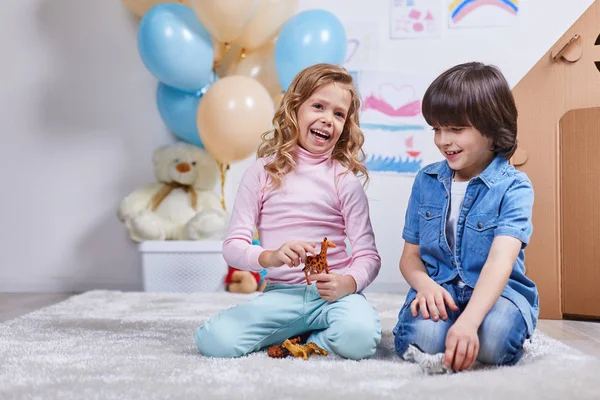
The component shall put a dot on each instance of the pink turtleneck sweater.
(311, 204)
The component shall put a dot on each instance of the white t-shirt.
(457, 195)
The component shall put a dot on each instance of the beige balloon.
(140, 7)
(225, 19)
(232, 116)
(229, 61)
(220, 51)
(260, 65)
(270, 17)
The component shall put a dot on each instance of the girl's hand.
(432, 301)
(333, 286)
(462, 346)
(292, 254)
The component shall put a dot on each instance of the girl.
(304, 187)
(467, 224)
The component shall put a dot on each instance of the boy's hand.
(462, 346)
(292, 254)
(432, 301)
(333, 286)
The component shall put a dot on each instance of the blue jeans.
(501, 334)
(348, 327)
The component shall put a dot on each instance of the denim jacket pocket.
(480, 232)
(430, 217)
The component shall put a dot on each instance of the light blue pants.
(348, 327)
(501, 334)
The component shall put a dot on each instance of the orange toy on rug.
(317, 264)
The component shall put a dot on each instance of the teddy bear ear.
(158, 154)
(166, 151)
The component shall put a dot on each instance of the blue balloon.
(175, 47)
(308, 38)
(178, 111)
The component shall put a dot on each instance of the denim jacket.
(498, 201)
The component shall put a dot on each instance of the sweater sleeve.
(238, 250)
(366, 262)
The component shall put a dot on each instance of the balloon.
(260, 65)
(175, 47)
(225, 19)
(178, 111)
(230, 58)
(232, 116)
(271, 15)
(140, 7)
(308, 38)
(220, 51)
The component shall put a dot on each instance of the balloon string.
(223, 168)
(217, 64)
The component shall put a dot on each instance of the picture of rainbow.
(461, 8)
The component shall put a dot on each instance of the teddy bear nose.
(183, 167)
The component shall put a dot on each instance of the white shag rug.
(129, 345)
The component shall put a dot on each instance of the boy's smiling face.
(467, 151)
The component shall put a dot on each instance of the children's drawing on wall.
(413, 19)
(397, 138)
(481, 13)
(362, 49)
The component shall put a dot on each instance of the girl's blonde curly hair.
(282, 140)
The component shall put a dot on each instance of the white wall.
(513, 49)
(79, 125)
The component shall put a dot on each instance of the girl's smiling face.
(321, 118)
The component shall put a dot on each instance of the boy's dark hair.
(477, 95)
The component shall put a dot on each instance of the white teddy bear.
(182, 204)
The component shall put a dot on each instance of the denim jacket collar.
(490, 175)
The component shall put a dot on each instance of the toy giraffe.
(317, 264)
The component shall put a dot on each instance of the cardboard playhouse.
(559, 148)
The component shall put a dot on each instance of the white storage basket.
(183, 266)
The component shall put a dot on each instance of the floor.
(582, 335)
(13, 305)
